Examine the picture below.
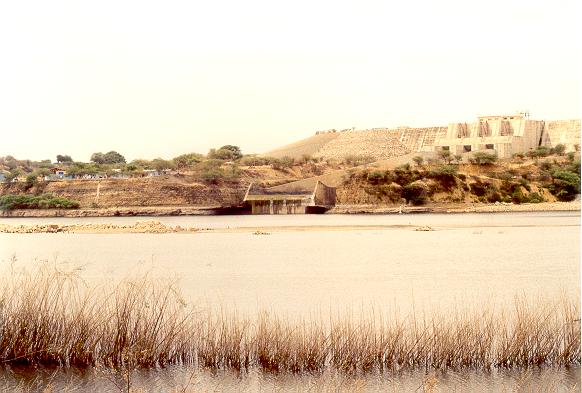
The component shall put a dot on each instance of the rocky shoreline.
(163, 211)
(153, 226)
(138, 227)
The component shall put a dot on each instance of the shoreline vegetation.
(50, 317)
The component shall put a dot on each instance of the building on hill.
(506, 134)
(263, 201)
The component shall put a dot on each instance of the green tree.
(418, 160)
(62, 159)
(226, 152)
(484, 158)
(186, 160)
(111, 157)
(114, 157)
(160, 164)
(565, 185)
(98, 158)
(415, 193)
(559, 149)
(445, 155)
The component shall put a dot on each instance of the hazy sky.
(162, 78)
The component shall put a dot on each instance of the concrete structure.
(263, 201)
(506, 135)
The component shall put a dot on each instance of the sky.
(163, 78)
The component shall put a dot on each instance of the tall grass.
(51, 317)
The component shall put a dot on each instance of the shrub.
(43, 201)
(534, 197)
(445, 155)
(212, 175)
(519, 155)
(559, 149)
(356, 160)
(540, 151)
(483, 158)
(445, 175)
(282, 163)
(574, 167)
(375, 177)
(565, 185)
(188, 159)
(253, 161)
(415, 193)
(418, 160)
(545, 165)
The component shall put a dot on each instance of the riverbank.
(458, 208)
(163, 211)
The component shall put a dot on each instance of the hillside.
(377, 144)
(308, 146)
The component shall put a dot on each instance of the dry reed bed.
(50, 317)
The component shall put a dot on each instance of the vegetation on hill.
(540, 175)
(43, 201)
(482, 179)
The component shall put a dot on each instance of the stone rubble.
(138, 227)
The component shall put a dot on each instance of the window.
(466, 148)
(489, 146)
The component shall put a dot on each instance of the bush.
(186, 160)
(375, 177)
(519, 155)
(540, 151)
(356, 160)
(445, 175)
(445, 155)
(212, 175)
(565, 185)
(418, 160)
(282, 163)
(226, 152)
(415, 193)
(545, 165)
(559, 149)
(43, 201)
(483, 158)
(535, 197)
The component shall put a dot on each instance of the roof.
(277, 197)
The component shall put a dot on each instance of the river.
(347, 263)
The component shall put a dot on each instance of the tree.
(111, 157)
(445, 155)
(160, 164)
(186, 160)
(418, 160)
(565, 185)
(559, 149)
(98, 158)
(226, 152)
(458, 158)
(484, 158)
(61, 159)
(114, 157)
(415, 193)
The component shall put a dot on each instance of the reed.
(51, 317)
